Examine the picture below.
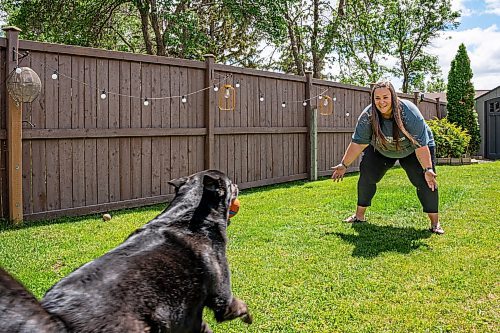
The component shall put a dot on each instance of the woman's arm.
(352, 152)
(425, 159)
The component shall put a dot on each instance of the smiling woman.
(388, 130)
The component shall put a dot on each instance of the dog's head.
(209, 192)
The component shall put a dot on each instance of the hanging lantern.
(227, 98)
(24, 86)
(325, 105)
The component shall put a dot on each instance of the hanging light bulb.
(103, 94)
(261, 98)
(283, 104)
(146, 102)
(54, 75)
(183, 99)
(334, 99)
(227, 94)
(320, 97)
(325, 102)
(216, 88)
(347, 114)
(237, 85)
(304, 103)
(18, 70)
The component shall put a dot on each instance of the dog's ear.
(213, 184)
(178, 182)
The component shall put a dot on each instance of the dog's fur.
(158, 280)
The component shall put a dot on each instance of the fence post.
(416, 97)
(209, 116)
(14, 133)
(312, 131)
(438, 108)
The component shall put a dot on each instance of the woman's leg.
(371, 170)
(428, 198)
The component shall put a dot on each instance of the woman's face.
(383, 101)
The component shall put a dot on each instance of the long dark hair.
(397, 124)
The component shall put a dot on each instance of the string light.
(283, 104)
(304, 103)
(320, 97)
(56, 74)
(183, 99)
(237, 85)
(334, 99)
(227, 94)
(261, 97)
(146, 102)
(325, 102)
(216, 88)
(347, 114)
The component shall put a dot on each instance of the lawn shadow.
(372, 240)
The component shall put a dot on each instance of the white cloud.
(482, 48)
(460, 5)
(493, 7)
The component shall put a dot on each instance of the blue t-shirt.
(413, 122)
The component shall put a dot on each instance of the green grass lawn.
(300, 269)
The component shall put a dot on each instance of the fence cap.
(10, 28)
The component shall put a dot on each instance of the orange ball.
(235, 206)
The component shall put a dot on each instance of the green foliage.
(460, 95)
(175, 28)
(300, 269)
(362, 43)
(451, 140)
(411, 26)
(436, 84)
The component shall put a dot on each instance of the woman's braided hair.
(396, 113)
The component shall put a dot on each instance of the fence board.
(125, 183)
(135, 122)
(3, 143)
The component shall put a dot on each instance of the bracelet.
(428, 169)
(342, 162)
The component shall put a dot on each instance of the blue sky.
(479, 30)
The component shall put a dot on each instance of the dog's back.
(153, 281)
(20, 311)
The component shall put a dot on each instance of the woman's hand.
(430, 178)
(338, 172)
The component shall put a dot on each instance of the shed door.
(492, 108)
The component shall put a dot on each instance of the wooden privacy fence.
(85, 154)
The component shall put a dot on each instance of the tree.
(436, 84)
(177, 28)
(411, 26)
(309, 35)
(362, 43)
(460, 95)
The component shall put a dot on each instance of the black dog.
(158, 280)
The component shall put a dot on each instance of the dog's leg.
(205, 328)
(236, 309)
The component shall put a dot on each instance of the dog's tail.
(20, 311)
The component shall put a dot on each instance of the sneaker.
(437, 229)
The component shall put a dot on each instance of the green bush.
(451, 140)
